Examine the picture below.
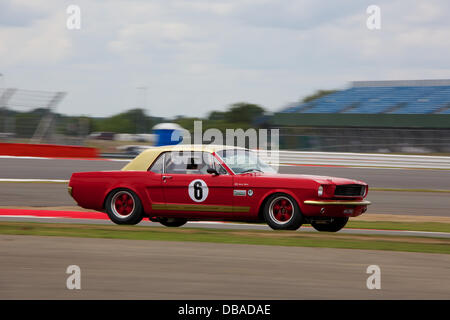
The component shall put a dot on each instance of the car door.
(190, 191)
(153, 183)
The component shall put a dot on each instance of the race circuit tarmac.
(35, 268)
(222, 225)
(383, 202)
(26, 168)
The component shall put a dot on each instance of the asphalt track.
(25, 168)
(35, 268)
(104, 220)
(384, 202)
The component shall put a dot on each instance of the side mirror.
(212, 171)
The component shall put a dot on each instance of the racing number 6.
(198, 190)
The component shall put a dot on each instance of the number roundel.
(198, 190)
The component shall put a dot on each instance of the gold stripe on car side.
(338, 202)
(199, 207)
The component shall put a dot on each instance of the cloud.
(195, 56)
(209, 7)
(38, 42)
(139, 37)
(18, 15)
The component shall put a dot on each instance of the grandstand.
(389, 97)
(371, 116)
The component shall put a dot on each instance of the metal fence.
(361, 159)
(380, 140)
(28, 115)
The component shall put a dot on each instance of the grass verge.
(428, 226)
(393, 225)
(252, 237)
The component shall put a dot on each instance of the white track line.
(34, 180)
(343, 166)
(303, 163)
(263, 227)
(281, 164)
(49, 158)
(27, 216)
(308, 228)
(24, 157)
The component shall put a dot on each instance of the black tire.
(288, 217)
(333, 226)
(172, 222)
(118, 213)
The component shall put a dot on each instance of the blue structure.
(168, 134)
(395, 97)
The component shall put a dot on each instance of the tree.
(217, 115)
(243, 112)
(131, 121)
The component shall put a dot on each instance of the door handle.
(166, 177)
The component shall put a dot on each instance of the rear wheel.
(334, 225)
(172, 222)
(124, 207)
(282, 212)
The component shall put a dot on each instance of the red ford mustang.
(174, 184)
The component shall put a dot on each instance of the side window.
(188, 162)
(207, 162)
(175, 163)
(219, 168)
(158, 164)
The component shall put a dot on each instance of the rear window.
(188, 162)
(158, 165)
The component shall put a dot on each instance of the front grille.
(350, 190)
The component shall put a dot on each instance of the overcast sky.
(198, 56)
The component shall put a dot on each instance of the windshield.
(242, 161)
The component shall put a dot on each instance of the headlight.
(320, 191)
(364, 191)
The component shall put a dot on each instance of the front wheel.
(124, 207)
(282, 212)
(334, 225)
(172, 222)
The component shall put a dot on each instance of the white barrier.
(360, 159)
(348, 159)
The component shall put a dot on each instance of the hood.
(318, 179)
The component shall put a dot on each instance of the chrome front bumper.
(337, 202)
